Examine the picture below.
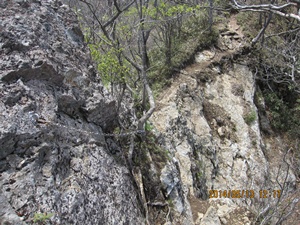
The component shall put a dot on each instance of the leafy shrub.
(108, 64)
(284, 117)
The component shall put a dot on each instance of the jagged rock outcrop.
(54, 111)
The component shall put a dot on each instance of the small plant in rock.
(42, 218)
(250, 117)
(149, 126)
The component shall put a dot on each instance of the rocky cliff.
(219, 144)
(59, 158)
(54, 112)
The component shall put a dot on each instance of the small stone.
(211, 217)
(199, 218)
(221, 132)
(13, 160)
(47, 171)
(223, 220)
(183, 87)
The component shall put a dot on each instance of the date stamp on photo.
(244, 193)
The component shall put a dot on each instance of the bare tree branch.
(276, 9)
(238, 6)
(119, 11)
(262, 31)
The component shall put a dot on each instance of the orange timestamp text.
(244, 193)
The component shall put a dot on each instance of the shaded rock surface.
(54, 111)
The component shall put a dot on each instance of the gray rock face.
(203, 122)
(54, 110)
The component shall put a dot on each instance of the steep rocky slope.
(53, 153)
(57, 154)
(211, 128)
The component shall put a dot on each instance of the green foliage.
(250, 117)
(148, 126)
(181, 30)
(167, 9)
(108, 64)
(170, 203)
(150, 145)
(249, 25)
(279, 116)
(194, 37)
(41, 218)
(222, 4)
(177, 31)
(187, 49)
(297, 108)
(199, 170)
(283, 116)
